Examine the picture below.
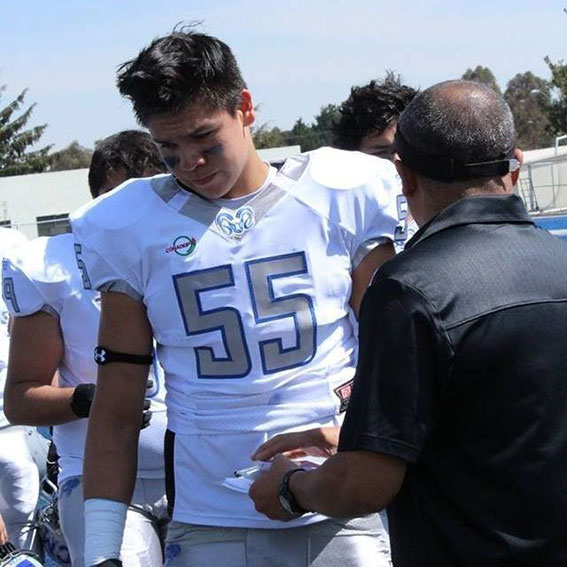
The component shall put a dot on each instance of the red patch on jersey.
(343, 392)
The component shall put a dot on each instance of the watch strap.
(288, 496)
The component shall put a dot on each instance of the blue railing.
(556, 224)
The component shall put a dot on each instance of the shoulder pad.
(350, 189)
(120, 208)
(43, 273)
(10, 239)
(111, 232)
(340, 169)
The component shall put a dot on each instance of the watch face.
(284, 503)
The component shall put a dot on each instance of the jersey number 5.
(266, 307)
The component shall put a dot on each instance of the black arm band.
(103, 355)
(82, 399)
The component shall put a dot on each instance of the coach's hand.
(264, 491)
(318, 442)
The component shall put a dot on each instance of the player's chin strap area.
(12, 557)
(446, 169)
(103, 355)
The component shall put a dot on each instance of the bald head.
(463, 120)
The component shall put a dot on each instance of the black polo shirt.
(463, 374)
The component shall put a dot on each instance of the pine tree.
(15, 157)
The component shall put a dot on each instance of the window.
(50, 225)
(6, 223)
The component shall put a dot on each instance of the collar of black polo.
(447, 169)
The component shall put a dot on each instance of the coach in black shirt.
(458, 416)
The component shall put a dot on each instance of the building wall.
(24, 198)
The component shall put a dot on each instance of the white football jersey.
(44, 277)
(249, 305)
(10, 239)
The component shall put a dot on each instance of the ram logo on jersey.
(236, 224)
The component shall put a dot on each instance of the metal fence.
(543, 185)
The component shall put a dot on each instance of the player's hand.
(3, 531)
(318, 442)
(264, 491)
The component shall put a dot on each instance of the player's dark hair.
(180, 69)
(130, 151)
(370, 109)
(463, 120)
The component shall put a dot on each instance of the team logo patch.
(343, 392)
(236, 224)
(183, 245)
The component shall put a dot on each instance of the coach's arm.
(348, 484)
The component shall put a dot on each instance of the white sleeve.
(97, 271)
(376, 213)
(20, 295)
(355, 191)
(36, 278)
(107, 250)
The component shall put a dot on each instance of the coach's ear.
(519, 155)
(408, 177)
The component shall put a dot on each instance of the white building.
(543, 179)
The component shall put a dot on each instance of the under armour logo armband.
(103, 355)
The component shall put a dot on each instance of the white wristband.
(104, 528)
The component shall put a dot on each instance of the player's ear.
(246, 107)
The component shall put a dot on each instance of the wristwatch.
(286, 498)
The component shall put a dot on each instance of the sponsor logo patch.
(343, 392)
(182, 245)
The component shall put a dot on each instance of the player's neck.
(252, 177)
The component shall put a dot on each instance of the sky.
(296, 55)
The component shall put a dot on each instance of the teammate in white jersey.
(247, 278)
(19, 476)
(55, 329)
(368, 122)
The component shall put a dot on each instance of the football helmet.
(49, 529)
(12, 557)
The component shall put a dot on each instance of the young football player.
(247, 279)
(19, 476)
(58, 318)
(369, 116)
